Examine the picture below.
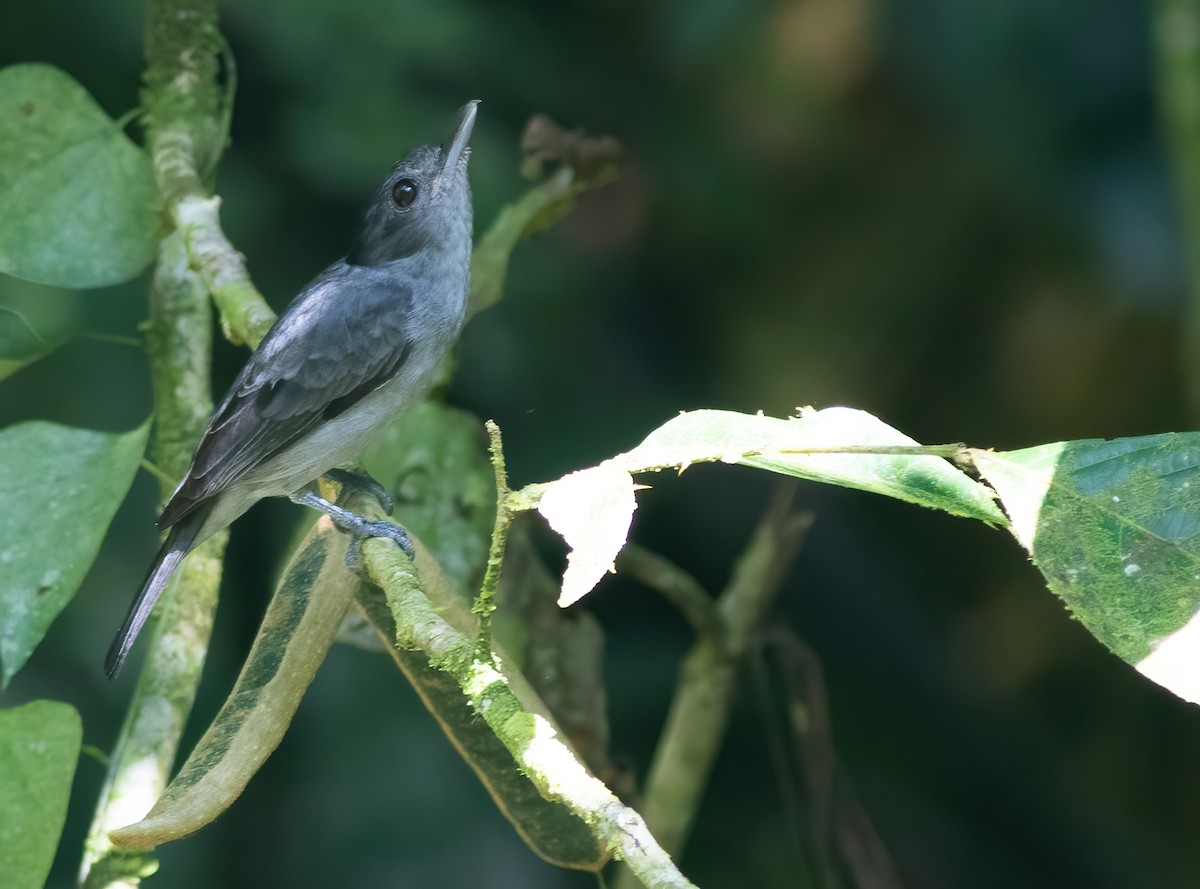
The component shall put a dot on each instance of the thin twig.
(844, 840)
(115, 339)
(676, 586)
(485, 602)
(947, 451)
(164, 480)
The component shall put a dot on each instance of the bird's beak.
(462, 135)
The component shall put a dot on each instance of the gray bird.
(357, 346)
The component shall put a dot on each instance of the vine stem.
(485, 603)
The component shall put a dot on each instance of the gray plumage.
(356, 347)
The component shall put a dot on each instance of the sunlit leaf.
(77, 198)
(1114, 526)
(592, 510)
(39, 748)
(59, 489)
(779, 446)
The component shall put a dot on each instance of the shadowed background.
(956, 216)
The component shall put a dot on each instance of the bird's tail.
(181, 539)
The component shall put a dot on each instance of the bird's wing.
(345, 335)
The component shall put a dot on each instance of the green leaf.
(1114, 526)
(295, 635)
(779, 446)
(39, 747)
(19, 343)
(58, 493)
(77, 197)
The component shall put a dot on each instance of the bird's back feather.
(311, 366)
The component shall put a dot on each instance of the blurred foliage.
(955, 216)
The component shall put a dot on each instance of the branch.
(245, 315)
(183, 112)
(676, 586)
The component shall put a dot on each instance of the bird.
(359, 344)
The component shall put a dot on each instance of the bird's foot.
(355, 525)
(360, 480)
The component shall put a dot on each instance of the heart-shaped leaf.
(58, 492)
(77, 198)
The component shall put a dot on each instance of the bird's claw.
(389, 531)
(355, 525)
(365, 531)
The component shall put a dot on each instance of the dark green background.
(957, 216)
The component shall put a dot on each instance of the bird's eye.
(404, 193)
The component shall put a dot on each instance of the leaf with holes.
(779, 446)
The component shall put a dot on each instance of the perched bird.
(357, 346)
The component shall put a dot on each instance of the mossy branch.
(245, 315)
(183, 103)
(531, 739)
(485, 602)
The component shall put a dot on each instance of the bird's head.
(424, 203)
